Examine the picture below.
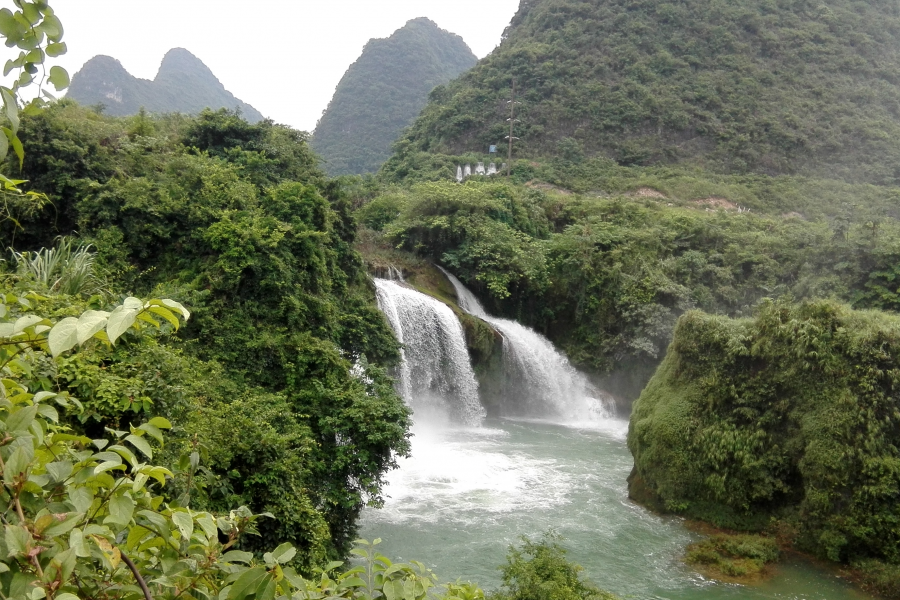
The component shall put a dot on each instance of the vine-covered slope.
(771, 86)
(383, 91)
(183, 84)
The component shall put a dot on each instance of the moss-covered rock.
(793, 415)
(730, 557)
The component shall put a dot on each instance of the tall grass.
(63, 269)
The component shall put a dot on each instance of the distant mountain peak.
(183, 83)
(383, 91)
(179, 60)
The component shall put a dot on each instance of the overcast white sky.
(284, 57)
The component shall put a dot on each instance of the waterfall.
(539, 380)
(436, 377)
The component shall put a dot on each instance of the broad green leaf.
(177, 306)
(63, 525)
(90, 323)
(23, 323)
(125, 453)
(119, 321)
(12, 110)
(31, 13)
(18, 539)
(81, 498)
(153, 431)
(21, 419)
(59, 78)
(63, 336)
(18, 149)
(6, 329)
(140, 481)
(208, 524)
(54, 30)
(160, 422)
(4, 145)
(284, 553)
(59, 470)
(238, 556)
(56, 49)
(108, 466)
(248, 583)
(17, 463)
(132, 303)
(41, 396)
(184, 522)
(8, 26)
(166, 314)
(77, 543)
(135, 536)
(121, 509)
(48, 412)
(141, 444)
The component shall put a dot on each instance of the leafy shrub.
(540, 571)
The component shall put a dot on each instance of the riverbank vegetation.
(728, 557)
(786, 419)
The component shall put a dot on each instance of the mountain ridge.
(764, 86)
(183, 83)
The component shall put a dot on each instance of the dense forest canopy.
(183, 84)
(768, 86)
(383, 92)
(235, 220)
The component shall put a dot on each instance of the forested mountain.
(183, 84)
(383, 91)
(787, 86)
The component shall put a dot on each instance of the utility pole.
(512, 119)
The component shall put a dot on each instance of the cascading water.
(539, 380)
(436, 377)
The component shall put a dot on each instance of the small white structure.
(459, 176)
(467, 172)
(479, 169)
(492, 169)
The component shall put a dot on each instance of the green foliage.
(744, 87)
(37, 33)
(183, 84)
(383, 91)
(285, 340)
(733, 556)
(791, 414)
(541, 571)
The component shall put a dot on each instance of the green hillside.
(768, 86)
(183, 84)
(383, 91)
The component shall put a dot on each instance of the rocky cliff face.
(183, 84)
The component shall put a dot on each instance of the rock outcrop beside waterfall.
(789, 421)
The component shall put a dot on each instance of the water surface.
(467, 494)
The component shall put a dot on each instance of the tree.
(37, 33)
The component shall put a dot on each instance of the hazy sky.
(284, 57)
